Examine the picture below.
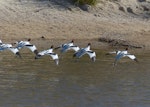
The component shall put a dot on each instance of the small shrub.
(89, 2)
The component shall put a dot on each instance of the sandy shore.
(22, 20)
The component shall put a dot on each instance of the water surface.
(74, 83)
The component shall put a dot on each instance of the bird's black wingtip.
(74, 55)
(136, 60)
(37, 56)
(18, 54)
(36, 52)
(93, 59)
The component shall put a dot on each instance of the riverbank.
(60, 23)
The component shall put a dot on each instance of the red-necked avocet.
(68, 46)
(27, 44)
(50, 53)
(9, 47)
(121, 54)
(84, 51)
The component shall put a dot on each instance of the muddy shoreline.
(102, 26)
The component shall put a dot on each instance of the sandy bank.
(28, 19)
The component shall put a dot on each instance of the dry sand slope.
(125, 20)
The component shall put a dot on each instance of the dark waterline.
(74, 83)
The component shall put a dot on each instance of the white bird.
(84, 51)
(27, 44)
(9, 47)
(68, 46)
(50, 53)
(121, 54)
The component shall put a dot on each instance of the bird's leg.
(18, 55)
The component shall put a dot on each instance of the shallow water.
(74, 83)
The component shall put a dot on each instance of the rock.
(122, 8)
(42, 37)
(142, 0)
(85, 7)
(145, 8)
(129, 10)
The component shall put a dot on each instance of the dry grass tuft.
(89, 2)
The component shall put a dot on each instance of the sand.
(60, 22)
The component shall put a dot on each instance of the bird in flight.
(49, 52)
(121, 54)
(87, 51)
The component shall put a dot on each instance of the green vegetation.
(89, 2)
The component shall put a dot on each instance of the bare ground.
(61, 21)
